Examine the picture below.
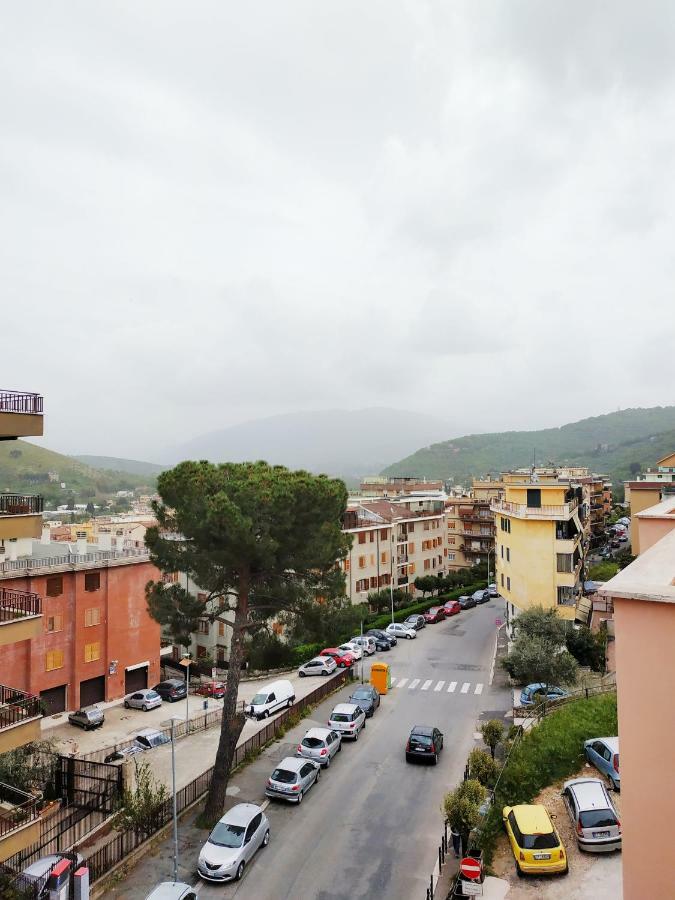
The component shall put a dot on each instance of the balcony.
(19, 820)
(521, 511)
(402, 579)
(20, 415)
(20, 715)
(20, 616)
(20, 516)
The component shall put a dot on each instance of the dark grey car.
(367, 697)
(88, 717)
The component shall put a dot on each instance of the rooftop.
(666, 508)
(650, 577)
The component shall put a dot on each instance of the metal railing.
(18, 808)
(17, 706)
(16, 402)
(534, 512)
(98, 557)
(20, 504)
(18, 604)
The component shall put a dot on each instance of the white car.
(349, 719)
(352, 648)
(321, 745)
(320, 665)
(401, 631)
(233, 842)
(366, 643)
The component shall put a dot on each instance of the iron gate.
(89, 785)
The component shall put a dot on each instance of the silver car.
(321, 745)
(401, 631)
(233, 843)
(593, 815)
(349, 719)
(292, 778)
(320, 665)
(145, 700)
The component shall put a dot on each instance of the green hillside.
(25, 469)
(118, 464)
(609, 444)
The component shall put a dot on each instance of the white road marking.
(402, 682)
(451, 687)
(392, 681)
(479, 689)
(413, 684)
(465, 687)
(439, 686)
(426, 685)
(265, 804)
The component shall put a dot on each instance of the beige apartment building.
(470, 532)
(392, 544)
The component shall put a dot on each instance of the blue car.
(603, 753)
(527, 695)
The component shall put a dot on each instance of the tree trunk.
(233, 720)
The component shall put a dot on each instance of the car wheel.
(144, 707)
(407, 757)
(325, 672)
(266, 839)
(266, 714)
(240, 871)
(301, 674)
(339, 749)
(356, 735)
(364, 723)
(299, 801)
(318, 775)
(126, 705)
(519, 871)
(290, 702)
(613, 785)
(435, 759)
(327, 763)
(409, 637)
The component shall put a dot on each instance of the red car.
(451, 608)
(435, 614)
(211, 689)
(343, 660)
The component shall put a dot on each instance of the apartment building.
(21, 620)
(470, 532)
(211, 642)
(393, 543)
(647, 490)
(540, 526)
(381, 486)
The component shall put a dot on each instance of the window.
(362, 537)
(92, 581)
(221, 629)
(362, 562)
(383, 557)
(203, 627)
(411, 546)
(92, 651)
(92, 616)
(201, 652)
(426, 526)
(502, 549)
(451, 540)
(54, 586)
(411, 569)
(54, 660)
(427, 564)
(508, 554)
(411, 527)
(564, 562)
(534, 497)
(383, 534)
(347, 565)
(508, 582)
(372, 559)
(373, 581)
(502, 579)
(451, 556)
(54, 623)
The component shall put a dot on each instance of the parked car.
(271, 699)
(492, 590)
(615, 544)
(623, 538)
(424, 742)
(211, 689)
(452, 607)
(292, 778)
(537, 693)
(535, 844)
(593, 815)
(172, 890)
(145, 700)
(354, 649)
(150, 737)
(416, 621)
(349, 719)
(466, 602)
(172, 689)
(88, 717)
(233, 843)
(342, 660)
(321, 745)
(481, 596)
(434, 614)
(37, 873)
(603, 753)
(377, 632)
(401, 631)
(366, 643)
(367, 697)
(383, 642)
(320, 665)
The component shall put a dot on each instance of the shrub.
(482, 767)
(587, 647)
(492, 732)
(303, 652)
(462, 808)
(142, 805)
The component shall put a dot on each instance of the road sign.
(472, 889)
(470, 868)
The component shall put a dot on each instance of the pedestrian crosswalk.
(427, 684)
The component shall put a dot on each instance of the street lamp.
(174, 719)
(488, 565)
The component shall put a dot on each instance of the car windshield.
(259, 699)
(284, 776)
(361, 695)
(340, 717)
(226, 835)
(540, 841)
(312, 743)
(597, 818)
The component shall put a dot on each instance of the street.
(372, 825)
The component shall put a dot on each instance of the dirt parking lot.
(591, 875)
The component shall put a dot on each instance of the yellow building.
(20, 620)
(540, 527)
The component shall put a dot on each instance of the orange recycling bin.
(380, 677)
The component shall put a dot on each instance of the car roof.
(291, 763)
(590, 792)
(345, 708)
(148, 732)
(321, 659)
(241, 814)
(612, 742)
(321, 733)
(330, 650)
(167, 890)
(422, 729)
(533, 818)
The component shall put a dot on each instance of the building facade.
(470, 532)
(646, 491)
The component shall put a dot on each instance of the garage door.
(54, 699)
(135, 679)
(92, 691)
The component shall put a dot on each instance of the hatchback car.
(492, 590)
(424, 742)
(150, 737)
(292, 778)
(233, 843)
(603, 753)
(434, 615)
(383, 643)
(320, 665)
(535, 844)
(366, 643)
(593, 815)
(349, 719)
(145, 700)
(88, 717)
(401, 631)
(172, 689)
(172, 890)
(354, 649)
(451, 608)
(378, 633)
(416, 621)
(466, 602)
(537, 693)
(321, 745)
(481, 596)
(211, 689)
(367, 697)
(342, 660)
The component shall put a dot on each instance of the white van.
(271, 699)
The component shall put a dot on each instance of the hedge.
(421, 606)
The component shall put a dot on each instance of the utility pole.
(175, 816)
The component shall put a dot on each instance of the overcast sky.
(216, 211)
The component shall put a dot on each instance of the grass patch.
(603, 571)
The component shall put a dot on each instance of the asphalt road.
(372, 825)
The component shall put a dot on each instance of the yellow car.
(535, 843)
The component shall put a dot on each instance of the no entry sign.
(470, 868)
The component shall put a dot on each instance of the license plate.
(542, 855)
(600, 834)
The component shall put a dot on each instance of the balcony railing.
(15, 402)
(18, 604)
(20, 504)
(17, 706)
(97, 558)
(522, 511)
(17, 808)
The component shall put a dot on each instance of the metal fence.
(18, 604)
(17, 706)
(20, 504)
(97, 558)
(17, 402)
(18, 808)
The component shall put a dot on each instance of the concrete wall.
(639, 500)
(652, 530)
